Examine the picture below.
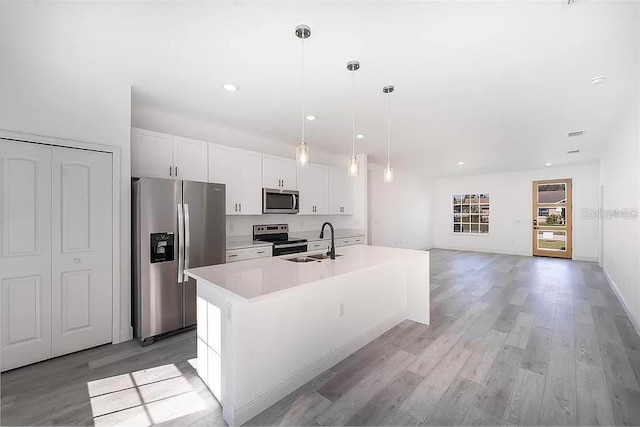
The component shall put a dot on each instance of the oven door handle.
(289, 245)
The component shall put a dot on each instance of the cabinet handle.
(259, 252)
(176, 171)
(235, 207)
(240, 207)
(170, 171)
(233, 255)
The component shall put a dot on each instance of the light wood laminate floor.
(513, 341)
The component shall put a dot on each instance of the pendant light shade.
(302, 151)
(388, 171)
(354, 166)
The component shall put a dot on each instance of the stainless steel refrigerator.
(175, 225)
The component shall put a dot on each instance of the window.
(471, 213)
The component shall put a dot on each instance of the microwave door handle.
(187, 236)
(293, 199)
(180, 244)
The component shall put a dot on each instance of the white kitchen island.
(267, 326)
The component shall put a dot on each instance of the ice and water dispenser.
(161, 247)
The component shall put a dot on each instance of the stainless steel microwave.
(280, 201)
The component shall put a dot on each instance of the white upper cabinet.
(151, 154)
(279, 173)
(159, 155)
(313, 184)
(190, 159)
(241, 172)
(340, 193)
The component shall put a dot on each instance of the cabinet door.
(241, 172)
(81, 191)
(224, 170)
(25, 253)
(249, 169)
(340, 192)
(151, 154)
(313, 184)
(190, 159)
(278, 172)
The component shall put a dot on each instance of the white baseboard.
(126, 334)
(487, 251)
(306, 374)
(585, 258)
(634, 321)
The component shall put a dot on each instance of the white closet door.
(81, 191)
(25, 257)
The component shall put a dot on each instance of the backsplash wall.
(243, 225)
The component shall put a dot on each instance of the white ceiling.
(494, 84)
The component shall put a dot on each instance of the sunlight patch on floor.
(143, 398)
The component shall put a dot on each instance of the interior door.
(552, 226)
(81, 190)
(25, 257)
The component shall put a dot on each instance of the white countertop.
(244, 242)
(254, 279)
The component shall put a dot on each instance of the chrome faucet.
(332, 251)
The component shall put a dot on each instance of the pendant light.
(302, 152)
(388, 171)
(354, 166)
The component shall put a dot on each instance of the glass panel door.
(552, 218)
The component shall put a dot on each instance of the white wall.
(619, 177)
(160, 121)
(399, 212)
(49, 88)
(511, 211)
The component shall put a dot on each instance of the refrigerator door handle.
(180, 244)
(187, 236)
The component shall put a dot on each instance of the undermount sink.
(322, 256)
(301, 259)
(309, 258)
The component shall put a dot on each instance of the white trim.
(488, 251)
(593, 259)
(246, 412)
(116, 332)
(126, 334)
(633, 320)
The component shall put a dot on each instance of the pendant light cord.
(353, 112)
(388, 129)
(303, 89)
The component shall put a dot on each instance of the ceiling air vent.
(576, 133)
(573, 151)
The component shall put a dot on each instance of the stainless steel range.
(278, 234)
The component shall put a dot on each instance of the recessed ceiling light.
(460, 163)
(361, 136)
(310, 117)
(231, 87)
(597, 80)
(548, 164)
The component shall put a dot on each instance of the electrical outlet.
(341, 310)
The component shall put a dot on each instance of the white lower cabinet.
(56, 258)
(234, 255)
(348, 241)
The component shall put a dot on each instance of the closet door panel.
(25, 253)
(82, 249)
